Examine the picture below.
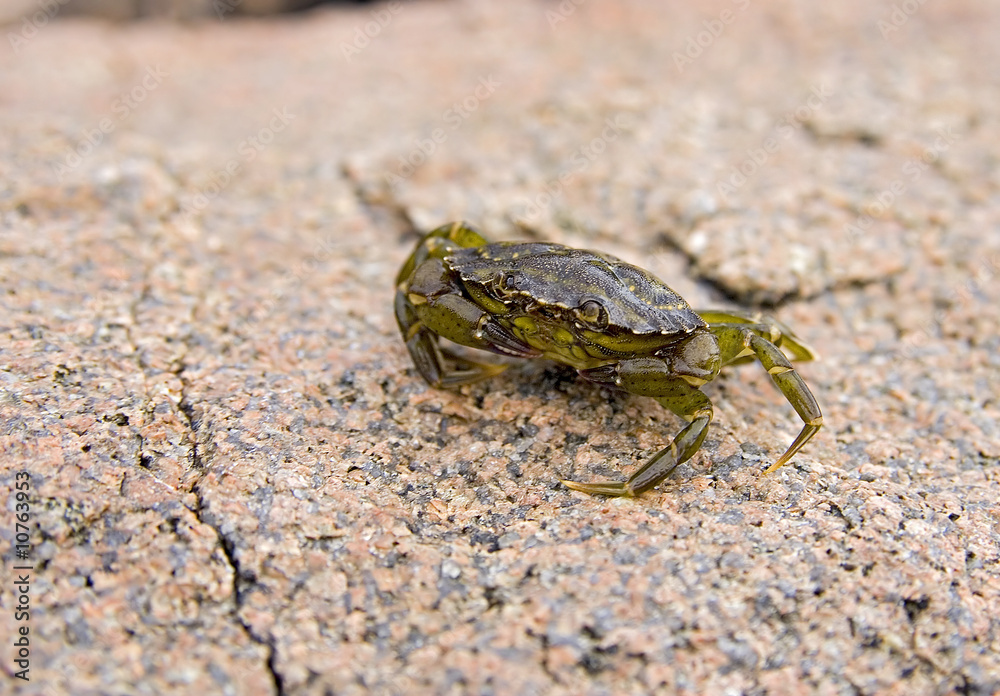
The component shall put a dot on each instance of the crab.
(615, 323)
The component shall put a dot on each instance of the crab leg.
(742, 340)
(438, 243)
(428, 305)
(674, 393)
(766, 327)
(429, 358)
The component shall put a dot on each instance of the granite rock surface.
(238, 482)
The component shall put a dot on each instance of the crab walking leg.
(429, 304)
(461, 321)
(438, 243)
(766, 327)
(738, 341)
(688, 403)
(422, 343)
(423, 318)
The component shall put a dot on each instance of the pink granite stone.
(241, 485)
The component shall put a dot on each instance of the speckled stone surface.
(241, 485)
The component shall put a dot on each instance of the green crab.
(615, 323)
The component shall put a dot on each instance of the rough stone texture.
(240, 484)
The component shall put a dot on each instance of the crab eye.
(593, 314)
